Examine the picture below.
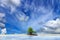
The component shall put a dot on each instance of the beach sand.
(29, 35)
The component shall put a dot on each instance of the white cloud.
(16, 2)
(13, 9)
(3, 31)
(10, 4)
(2, 5)
(5, 2)
(2, 15)
(48, 29)
(2, 25)
(26, 18)
(22, 17)
(55, 24)
(57, 30)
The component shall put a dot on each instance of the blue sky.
(21, 14)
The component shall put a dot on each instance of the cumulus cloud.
(53, 25)
(3, 31)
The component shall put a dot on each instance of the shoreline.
(29, 35)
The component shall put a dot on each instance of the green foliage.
(30, 30)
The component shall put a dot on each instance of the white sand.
(28, 35)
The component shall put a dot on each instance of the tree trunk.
(30, 33)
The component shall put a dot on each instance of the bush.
(31, 31)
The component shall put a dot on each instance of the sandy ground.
(48, 34)
(29, 35)
(14, 35)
